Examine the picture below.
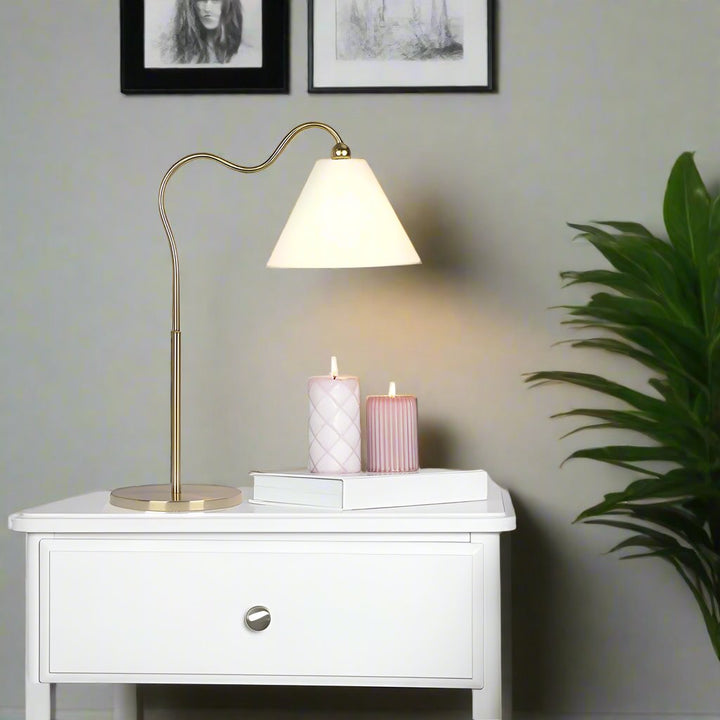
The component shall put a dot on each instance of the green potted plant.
(659, 305)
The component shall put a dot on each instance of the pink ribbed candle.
(392, 437)
(334, 423)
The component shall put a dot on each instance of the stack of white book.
(360, 491)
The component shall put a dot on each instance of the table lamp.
(342, 219)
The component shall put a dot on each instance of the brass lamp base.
(159, 498)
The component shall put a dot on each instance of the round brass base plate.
(158, 498)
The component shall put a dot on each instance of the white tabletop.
(92, 513)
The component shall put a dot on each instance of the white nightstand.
(404, 597)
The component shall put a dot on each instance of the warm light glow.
(342, 219)
(391, 390)
(333, 367)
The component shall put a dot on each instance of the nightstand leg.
(484, 706)
(125, 702)
(39, 701)
(39, 697)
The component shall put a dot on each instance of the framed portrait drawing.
(204, 46)
(400, 46)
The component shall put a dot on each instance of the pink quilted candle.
(392, 436)
(334, 423)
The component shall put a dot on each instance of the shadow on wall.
(440, 241)
(163, 702)
(534, 588)
(435, 444)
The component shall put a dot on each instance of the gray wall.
(597, 98)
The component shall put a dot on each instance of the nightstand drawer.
(136, 607)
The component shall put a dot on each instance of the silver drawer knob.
(257, 618)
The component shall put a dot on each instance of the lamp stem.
(175, 331)
(175, 414)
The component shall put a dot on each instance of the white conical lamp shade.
(342, 219)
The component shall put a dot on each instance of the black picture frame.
(272, 77)
(484, 53)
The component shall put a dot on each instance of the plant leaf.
(677, 484)
(686, 209)
(596, 382)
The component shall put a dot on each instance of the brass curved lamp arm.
(339, 151)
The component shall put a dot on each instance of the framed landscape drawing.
(400, 46)
(204, 46)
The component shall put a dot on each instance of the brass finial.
(340, 151)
